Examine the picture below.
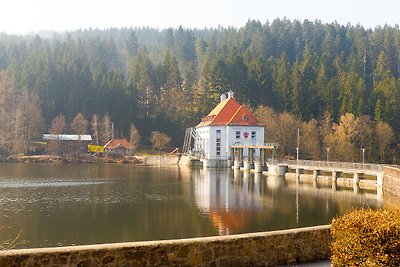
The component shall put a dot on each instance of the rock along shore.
(84, 158)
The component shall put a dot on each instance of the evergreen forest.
(339, 84)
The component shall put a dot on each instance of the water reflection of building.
(236, 201)
(230, 201)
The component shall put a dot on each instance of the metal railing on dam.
(335, 165)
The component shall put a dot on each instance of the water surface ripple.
(74, 204)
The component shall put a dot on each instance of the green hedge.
(366, 238)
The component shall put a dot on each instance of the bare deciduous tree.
(344, 139)
(79, 126)
(58, 126)
(134, 136)
(106, 129)
(310, 140)
(27, 121)
(6, 110)
(286, 134)
(159, 140)
(20, 117)
(95, 128)
(384, 137)
(268, 117)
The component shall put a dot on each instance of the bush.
(366, 238)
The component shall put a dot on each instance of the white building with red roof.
(228, 124)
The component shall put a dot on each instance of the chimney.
(230, 94)
(223, 97)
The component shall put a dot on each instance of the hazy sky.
(25, 16)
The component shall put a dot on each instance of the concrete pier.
(356, 189)
(335, 176)
(256, 161)
(315, 174)
(258, 166)
(277, 169)
(357, 170)
(356, 178)
(334, 185)
(236, 164)
(299, 172)
(247, 165)
(256, 156)
(379, 179)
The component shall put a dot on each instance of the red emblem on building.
(245, 135)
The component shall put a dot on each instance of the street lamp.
(327, 154)
(363, 157)
(298, 142)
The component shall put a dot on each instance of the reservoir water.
(49, 205)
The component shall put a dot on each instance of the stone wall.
(256, 249)
(187, 161)
(161, 160)
(391, 180)
(391, 187)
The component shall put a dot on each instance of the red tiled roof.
(114, 143)
(243, 117)
(229, 112)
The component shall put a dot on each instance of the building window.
(218, 131)
(253, 135)
(218, 146)
(237, 134)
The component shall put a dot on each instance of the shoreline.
(83, 158)
(86, 158)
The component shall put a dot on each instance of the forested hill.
(166, 80)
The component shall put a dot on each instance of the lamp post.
(363, 157)
(298, 142)
(327, 154)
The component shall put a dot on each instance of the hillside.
(166, 80)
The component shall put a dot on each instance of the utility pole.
(298, 141)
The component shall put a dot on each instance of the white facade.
(228, 124)
(217, 140)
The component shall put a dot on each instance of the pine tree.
(282, 88)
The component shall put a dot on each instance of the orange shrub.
(366, 238)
